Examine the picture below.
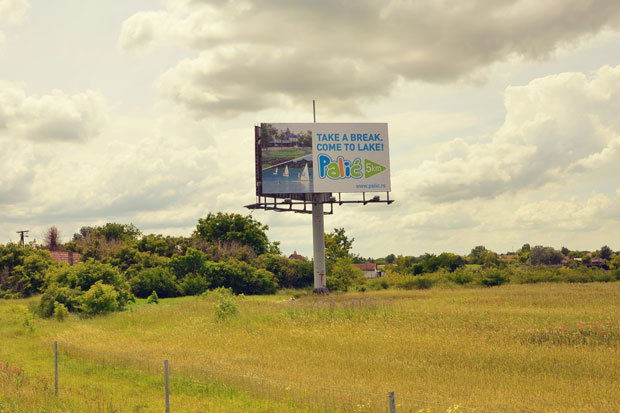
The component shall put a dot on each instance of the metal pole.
(318, 244)
(318, 236)
(392, 403)
(314, 109)
(56, 368)
(167, 388)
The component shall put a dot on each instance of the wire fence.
(221, 391)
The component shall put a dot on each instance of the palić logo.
(341, 168)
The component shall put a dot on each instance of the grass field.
(278, 155)
(543, 347)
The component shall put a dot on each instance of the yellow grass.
(547, 347)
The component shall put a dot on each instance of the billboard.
(296, 158)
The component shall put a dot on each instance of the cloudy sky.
(503, 115)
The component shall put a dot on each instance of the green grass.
(549, 347)
(276, 156)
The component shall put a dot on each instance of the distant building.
(68, 257)
(370, 270)
(509, 256)
(295, 256)
(598, 262)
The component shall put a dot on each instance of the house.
(370, 270)
(509, 256)
(68, 257)
(598, 262)
(295, 256)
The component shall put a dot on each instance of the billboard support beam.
(318, 245)
(318, 236)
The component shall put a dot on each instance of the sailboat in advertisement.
(285, 171)
(305, 175)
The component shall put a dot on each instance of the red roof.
(66, 256)
(369, 266)
(509, 256)
(296, 256)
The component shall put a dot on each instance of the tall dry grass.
(546, 347)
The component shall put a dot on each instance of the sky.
(503, 116)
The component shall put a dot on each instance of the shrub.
(461, 277)
(153, 298)
(344, 275)
(58, 294)
(60, 311)
(22, 270)
(241, 277)
(193, 262)
(419, 282)
(288, 272)
(226, 306)
(194, 284)
(99, 299)
(157, 279)
(492, 278)
(86, 287)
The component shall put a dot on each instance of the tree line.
(118, 263)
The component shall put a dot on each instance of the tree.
(52, 239)
(268, 134)
(477, 254)
(22, 270)
(565, 251)
(229, 228)
(337, 245)
(288, 272)
(119, 232)
(540, 255)
(606, 252)
(84, 232)
(344, 275)
(390, 258)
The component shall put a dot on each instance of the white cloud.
(555, 126)
(260, 54)
(13, 11)
(571, 215)
(52, 117)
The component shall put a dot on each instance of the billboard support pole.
(318, 244)
(318, 236)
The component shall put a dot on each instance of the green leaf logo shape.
(372, 168)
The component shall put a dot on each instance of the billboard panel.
(294, 158)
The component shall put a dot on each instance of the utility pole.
(23, 234)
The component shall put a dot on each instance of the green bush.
(22, 270)
(86, 287)
(158, 279)
(193, 262)
(153, 298)
(226, 306)
(493, 278)
(241, 277)
(461, 277)
(375, 284)
(61, 295)
(60, 311)
(343, 275)
(194, 284)
(99, 299)
(289, 273)
(419, 282)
